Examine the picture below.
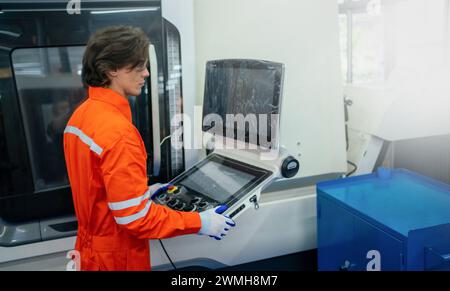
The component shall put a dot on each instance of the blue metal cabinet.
(390, 221)
(345, 241)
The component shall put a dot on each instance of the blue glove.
(158, 188)
(214, 223)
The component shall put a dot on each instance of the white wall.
(302, 34)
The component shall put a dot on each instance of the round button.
(179, 206)
(203, 204)
(172, 203)
(188, 208)
(196, 200)
(172, 189)
(162, 196)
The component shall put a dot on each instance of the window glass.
(343, 45)
(367, 48)
(361, 28)
(49, 88)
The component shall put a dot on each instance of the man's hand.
(215, 224)
(158, 188)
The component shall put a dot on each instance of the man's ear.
(112, 73)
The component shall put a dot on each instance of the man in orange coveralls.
(106, 162)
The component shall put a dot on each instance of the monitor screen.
(246, 95)
(217, 181)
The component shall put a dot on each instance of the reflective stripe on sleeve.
(131, 218)
(84, 138)
(129, 203)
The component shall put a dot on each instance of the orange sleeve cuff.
(193, 221)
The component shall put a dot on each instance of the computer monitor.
(243, 90)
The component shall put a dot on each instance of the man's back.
(93, 127)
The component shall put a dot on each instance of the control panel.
(216, 180)
(180, 198)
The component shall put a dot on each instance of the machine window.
(49, 88)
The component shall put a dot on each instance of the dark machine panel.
(41, 49)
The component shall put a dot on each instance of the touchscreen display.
(217, 181)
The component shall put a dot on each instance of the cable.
(170, 260)
(164, 139)
(352, 171)
(162, 245)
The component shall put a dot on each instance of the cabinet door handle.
(346, 266)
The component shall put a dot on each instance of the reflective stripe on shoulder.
(131, 218)
(84, 138)
(129, 203)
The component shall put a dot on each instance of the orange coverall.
(106, 163)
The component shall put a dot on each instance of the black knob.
(179, 206)
(196, 200)
(188, 208)
(203, 204)
(290, 167)
(173, 202)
